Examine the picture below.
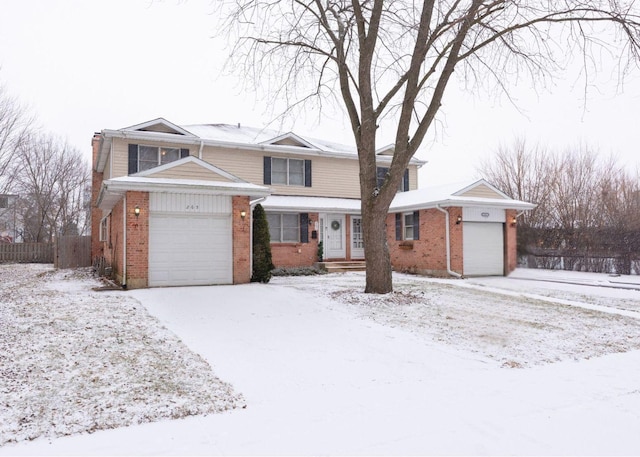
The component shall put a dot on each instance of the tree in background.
(392, 61)
(15, 128)
(50, 178)
(588, 210)
(262, 261)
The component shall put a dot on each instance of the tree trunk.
(379, 280)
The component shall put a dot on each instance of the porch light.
(136, 211)
(243, 214)
(514, 221)
(458, 220)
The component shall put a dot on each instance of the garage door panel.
(483, 249)
(190, 249)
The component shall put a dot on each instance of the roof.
(456, 194)
(234, 136)
(113, 189)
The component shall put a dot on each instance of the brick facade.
(137, 240)
(510, 242)
(241, 239)
(297, 254)
(427, 255)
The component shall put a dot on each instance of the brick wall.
(97, 248)
(137, 240)
(241, 240)
(510, 241)
(297, 254)
(428, 254)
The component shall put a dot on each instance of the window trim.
(268, 171)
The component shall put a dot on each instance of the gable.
(190, 170)
(481, 191)
(290, 139)
(159, 125)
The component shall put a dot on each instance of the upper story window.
(287, 172)
(142, 157)
(382, 173)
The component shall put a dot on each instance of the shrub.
(298, 271)
(262, 261)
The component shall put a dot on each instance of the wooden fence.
(26, 252)
(66, 252)
(73, 252)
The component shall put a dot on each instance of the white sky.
(86, 65)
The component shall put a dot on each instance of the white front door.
(334, 236)
(357, 240)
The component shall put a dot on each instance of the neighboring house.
(173, 204)
(8, 232)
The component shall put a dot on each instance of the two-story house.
(172, 205)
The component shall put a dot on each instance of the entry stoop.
(342, 267)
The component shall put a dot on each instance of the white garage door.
(483, 249)
(192, 247)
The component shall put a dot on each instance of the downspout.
(124, 245)
(251, 206)
(448, 243)
(200, 150)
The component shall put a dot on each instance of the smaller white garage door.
(483, 249)
(190, 240)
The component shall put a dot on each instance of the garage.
(190, 240)
(483, 241)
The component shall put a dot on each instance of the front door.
(334, 236)
(357, 240)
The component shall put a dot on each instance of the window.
(287, 172)
(104, 229)
(382, 174)
(143, 157)
(284, 228)
(288, 227)
(408, 226)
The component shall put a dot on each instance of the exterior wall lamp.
(136, 211)
(514, 221)
(458, 220)
(243, 214)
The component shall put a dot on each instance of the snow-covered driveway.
(324, 373)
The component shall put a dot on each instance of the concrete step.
(343, 266)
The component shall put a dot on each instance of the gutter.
(448, 242)
(124, 242)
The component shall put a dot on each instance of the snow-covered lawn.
(73, 360)
(480, 366)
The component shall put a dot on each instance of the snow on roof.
(252, 135)
(320, 204)
(444, 195)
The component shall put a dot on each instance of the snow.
(518, 365)
(74, 360)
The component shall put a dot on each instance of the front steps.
(343, 266)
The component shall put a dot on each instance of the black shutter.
(405, 180)
(267, 170)
(304, 227)
(184, 153)
(398, 227)
(133, 158)
(416, 225)
(307, 173)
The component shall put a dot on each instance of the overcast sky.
(85, 65)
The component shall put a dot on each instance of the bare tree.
(589, 208)
(51, 179)
(15, 125)
(391, 61)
